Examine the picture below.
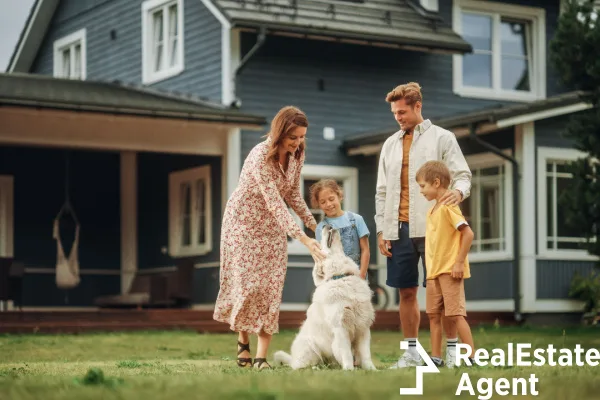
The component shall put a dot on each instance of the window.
(190, 212)
(6, 216)
(162, 39)
(346, 177)
(555, 237)
(488, 209)
(509, 57)
(70, 56)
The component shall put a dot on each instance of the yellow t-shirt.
(442, 241)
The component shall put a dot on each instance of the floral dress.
(254, 242)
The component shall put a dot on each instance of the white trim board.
(525, 149)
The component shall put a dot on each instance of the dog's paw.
(368, 366)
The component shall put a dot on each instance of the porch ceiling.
(397, 24)
(487, 120)
(46, 92)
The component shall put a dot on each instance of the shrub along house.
(485, 76)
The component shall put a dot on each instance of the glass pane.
(492, 171)
(550, 207)
(158, 40)
(173, 34)
(569, 245)
(477, 30)
(550, 167)
(513, 38)
(77, 62)
(477, 70)
(490, 216)
(564, 230)
(515, 73)
(186, 210)
(563, 168)
(201, 210)
(66, 63)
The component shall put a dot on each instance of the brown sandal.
(243, 362)
(260, 362)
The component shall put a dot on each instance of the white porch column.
(233, 160)
(129, 240)
(525, 149)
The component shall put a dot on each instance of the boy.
(448, 239)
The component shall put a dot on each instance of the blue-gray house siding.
(120, 59)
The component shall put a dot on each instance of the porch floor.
(165, 319)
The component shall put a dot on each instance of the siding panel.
(120, 59)
(554, 277)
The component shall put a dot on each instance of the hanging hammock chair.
(67, 267)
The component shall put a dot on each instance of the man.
(400, 211)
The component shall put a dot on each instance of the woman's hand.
(315, 248)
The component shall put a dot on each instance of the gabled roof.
(32, 35)
(393, 23)
(495, 118)
(43, 91)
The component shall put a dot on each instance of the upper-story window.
(70, 56)
(162, 39)
(509, 57)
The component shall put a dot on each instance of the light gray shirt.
(430, 142)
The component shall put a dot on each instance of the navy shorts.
(403, 265)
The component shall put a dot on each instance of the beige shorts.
(446, 294)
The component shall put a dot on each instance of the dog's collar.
(340, 276)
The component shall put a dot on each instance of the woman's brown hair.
(316, 188)
(284, 123)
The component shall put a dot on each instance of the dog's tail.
(282, 358)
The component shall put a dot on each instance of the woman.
(254, 235)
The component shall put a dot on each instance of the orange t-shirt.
(404, 190)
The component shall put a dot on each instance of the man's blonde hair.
(432, 170)
(410, 92)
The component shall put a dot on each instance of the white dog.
(339, 320)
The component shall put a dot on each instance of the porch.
(144, 174)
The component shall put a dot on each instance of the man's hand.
(451, 197)
(384, 246)
(458, 270)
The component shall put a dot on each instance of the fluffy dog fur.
(340, 317)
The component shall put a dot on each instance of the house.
(484, 69)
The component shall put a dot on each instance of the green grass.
(185, 365)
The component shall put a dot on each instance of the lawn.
(186, 365)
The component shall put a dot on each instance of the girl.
(327, 195)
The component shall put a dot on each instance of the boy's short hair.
(317, 187)
(434, 169)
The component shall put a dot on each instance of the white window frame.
(6, 216)
(349, 177)
(69, 41)
(148, 74)
(545, 155)
(537, 66)
(175, 181)
(487, 160)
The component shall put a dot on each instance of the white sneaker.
(408, 360)
(450, 358)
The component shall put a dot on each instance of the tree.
(575, 53)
